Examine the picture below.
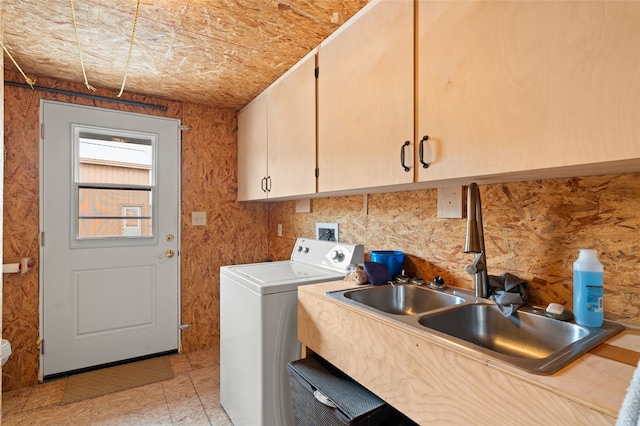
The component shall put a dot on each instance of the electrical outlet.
(279, 230)
(327, 231)
(198, 218)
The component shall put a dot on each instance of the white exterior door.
(109, 264)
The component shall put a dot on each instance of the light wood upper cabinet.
(505, 90)
(277, 137)
(292, 131)
(365, 99)
(252, 150)
(512, 87)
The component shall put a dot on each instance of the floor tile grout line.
(26, 400)
(204, 409)
(191, 368)
(166, 402)
(23, 405)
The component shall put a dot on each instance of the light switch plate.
(198, 218)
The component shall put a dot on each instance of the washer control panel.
(327, 254)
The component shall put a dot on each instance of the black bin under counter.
(322, 395)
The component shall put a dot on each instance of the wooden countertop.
(434, 381)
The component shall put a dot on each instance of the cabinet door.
(292, 131)
(365, 99)
(511, 87)
(252, 150)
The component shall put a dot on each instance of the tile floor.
(191, 397)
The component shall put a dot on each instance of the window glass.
(114, 183)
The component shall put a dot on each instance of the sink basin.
(528, 339)
(402, 299)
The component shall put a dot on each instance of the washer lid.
(276, 277)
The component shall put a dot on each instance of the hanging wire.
(133, 34)
(75, 28)
(29, 81)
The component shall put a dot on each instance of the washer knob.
(299, 248)
(337, 256)
(306, 249)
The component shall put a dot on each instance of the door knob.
(169, 253)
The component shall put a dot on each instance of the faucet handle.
(476, 266)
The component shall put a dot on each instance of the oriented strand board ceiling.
(215, 52)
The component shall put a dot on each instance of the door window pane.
(114, 183)
(114, 212)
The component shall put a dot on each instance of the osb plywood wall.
(532, 229)
(235, 233)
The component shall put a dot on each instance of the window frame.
(111, 241)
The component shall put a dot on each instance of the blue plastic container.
(392, 259)
(588, 275)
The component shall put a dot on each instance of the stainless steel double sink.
(527, 339)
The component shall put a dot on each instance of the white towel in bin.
(629, 414)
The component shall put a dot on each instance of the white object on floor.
(6, 350)
(630, 410)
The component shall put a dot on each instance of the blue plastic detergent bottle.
(588, 276)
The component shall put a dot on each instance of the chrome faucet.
(474, 242)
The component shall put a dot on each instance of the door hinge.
(42, 239)
(317, 172)
(183, 127)
(41, 130)
(41, 346)
(316, 71)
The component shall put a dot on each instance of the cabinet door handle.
(420, 151)
(268, 180)
(263, 183)
(406, 144)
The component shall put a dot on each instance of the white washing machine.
(259, 327)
